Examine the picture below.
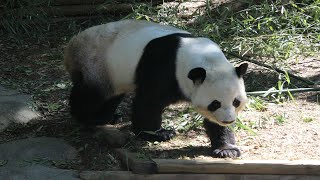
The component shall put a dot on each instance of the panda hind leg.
(222, 140)
(89, 106)
(146, 118)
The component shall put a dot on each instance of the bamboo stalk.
(257, 93)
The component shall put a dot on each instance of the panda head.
(219, 94)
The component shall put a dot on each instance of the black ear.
(197, 74)
(241, 70)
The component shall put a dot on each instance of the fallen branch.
(245, 58)
(257, 93)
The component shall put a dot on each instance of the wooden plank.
(135, 162)
(223, 166)
(127, 175)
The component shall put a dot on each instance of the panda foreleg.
(222, 140)
(146, 118)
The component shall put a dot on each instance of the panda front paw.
(226, 151)
(158, 135)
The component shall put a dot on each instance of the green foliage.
(271, 29)
(186, 120)
(240, 125)
(307, 119)
(283, 79)
(280, 119)
(257, 103)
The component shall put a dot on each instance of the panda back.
(124, 53)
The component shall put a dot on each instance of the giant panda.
(162, 65)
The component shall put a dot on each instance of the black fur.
(241, 70)
(197, 74)
(157, 86)
(88, 104)
(222, 140)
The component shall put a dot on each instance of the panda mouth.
(211, 118)
(227, 122)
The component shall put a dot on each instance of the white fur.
(221, 82)
(128, 47)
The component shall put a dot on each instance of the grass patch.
(257, 103)
(280, 119)
(307, 119)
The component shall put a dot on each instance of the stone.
(36, 172)
(15, 107)
(30, 159)
(37, 148)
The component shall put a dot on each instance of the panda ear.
(197, 74)
(242, 69)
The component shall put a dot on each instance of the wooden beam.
(222, 166)
(127, 175)
(136, 162)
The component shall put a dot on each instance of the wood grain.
(222, 166)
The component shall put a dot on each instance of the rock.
(36, 172)
(37, 148)
(30, 159)
(15, 107)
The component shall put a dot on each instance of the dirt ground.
(288, 130)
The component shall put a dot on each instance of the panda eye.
(214, 105)
(236, 103)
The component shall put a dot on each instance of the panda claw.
(226, 151)
(158, 135)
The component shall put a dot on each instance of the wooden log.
(76, 2)
(79, 10)
(83, 10)
(135, 162)
(94, 2)
(113, 136)
(223, 166)
(126, 175)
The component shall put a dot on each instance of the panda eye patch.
(214, 105)
(236, 103)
